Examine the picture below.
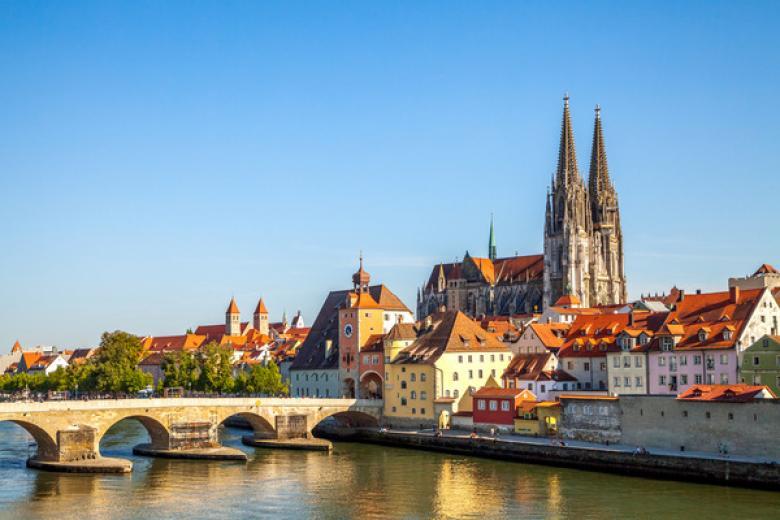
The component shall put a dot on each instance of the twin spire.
(567, 156)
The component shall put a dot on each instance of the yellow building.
(450, 357)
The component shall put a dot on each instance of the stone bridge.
(70, 431)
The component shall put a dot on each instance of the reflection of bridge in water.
(68, 433)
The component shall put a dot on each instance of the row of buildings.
(41, 359)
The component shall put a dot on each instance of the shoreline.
(689, 468)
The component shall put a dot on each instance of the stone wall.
(592, 420)
(665, 422)
(77, 444)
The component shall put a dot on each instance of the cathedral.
(583, 248)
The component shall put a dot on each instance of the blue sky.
(158, 157)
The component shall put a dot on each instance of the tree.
(264, 379)
(116, 364)
(216, 374)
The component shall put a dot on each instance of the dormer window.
(702, 336)
(726, 334)
(666, 343)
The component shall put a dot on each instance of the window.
(504, 406)
(471, 374)
(501, 357)
(479, 374)
(423, 377)
(731, 416)
(570, 365)
(403, 385)
(724, 359)
(375, 359)
(683, 360)
(616, 381)
(638, 361)
(469, 358)
(460, 359)
(616, 362)
(626, 361)
(638, 381)
(586, 366)
(481, 404)
(685, 413)
(697, 359)
(603, 366)
(366, 358)
(627, 382)
(697, 379)
(403, 401)
(492, 357)
(662, 380)
(481, 358)
(493, 372)
(684, 379)
(414, 411)
(666, 343)
(756, 360)
(724, 379)
(707, 415)
(493, 405)
(661, 361)
(412, 377)
(456, 393)
(413, 395)
(423, 395)
(454, 376)
(710, 379)
(422, 411)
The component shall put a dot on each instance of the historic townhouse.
(583, 248)
(703, 336)
(540, 338)
(760, 363)
(450, 357)
(538, 373)
(627, 366)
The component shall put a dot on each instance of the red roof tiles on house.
(738, 393)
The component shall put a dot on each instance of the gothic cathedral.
(583, 248)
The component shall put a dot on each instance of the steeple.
(567, 156)
(361, 278)
(260, 318)
(599, 185)
(232, 319)
(491, 241)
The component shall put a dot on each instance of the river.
(354, 481)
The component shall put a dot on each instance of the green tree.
(116, 364)
(264, 379)
(216, 374)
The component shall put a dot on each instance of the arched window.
(413, 395)
(412, 377)
(422, 377)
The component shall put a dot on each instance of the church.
(583, 248)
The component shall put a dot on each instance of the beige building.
(450, 357)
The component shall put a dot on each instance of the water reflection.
(355, 481)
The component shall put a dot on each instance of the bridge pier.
(77, 452)
(291, 432)
(198, 440)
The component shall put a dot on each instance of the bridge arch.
(47, 445)
(349, 418)
(260, 425)
(159, 434)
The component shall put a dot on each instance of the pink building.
(701, 338)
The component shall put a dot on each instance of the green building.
(761, 363)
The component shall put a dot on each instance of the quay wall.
(683, 468)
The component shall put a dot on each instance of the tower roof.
(492, 241)
(260, 309)
(17, 347)
(361, 278)
(599, 173)
(567, 155)
(232, 308)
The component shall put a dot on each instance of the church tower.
(260, 321)
(492, 242)
(608, 282)
(567, 228)
(232, 319)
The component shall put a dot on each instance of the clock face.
(348, 330)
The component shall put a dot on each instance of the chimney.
(681, 295)
(698, 291)
(734, 294)
(631, 318)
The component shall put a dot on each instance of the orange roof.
(363, 300)
(567, 299)
(173, 343)
(235, 341)
(550, 334)
(232, 308)
(30, 358)
(17, 347)
(594, 336)
(726, 393)
(260, 309)
(765, 269)
(485, 267)
(498, 392)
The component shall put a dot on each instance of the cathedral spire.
(599, 173)
(491, 241)
(567, 155)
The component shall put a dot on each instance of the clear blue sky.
(158, 157)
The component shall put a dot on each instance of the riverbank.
(687, 467)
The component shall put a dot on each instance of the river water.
(354, 481)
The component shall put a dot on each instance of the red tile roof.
(567, 299)
(765, 269)
(738, 393)
(260, 309)
(498, 392)
(232, 308)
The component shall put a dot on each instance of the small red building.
(498, 406)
